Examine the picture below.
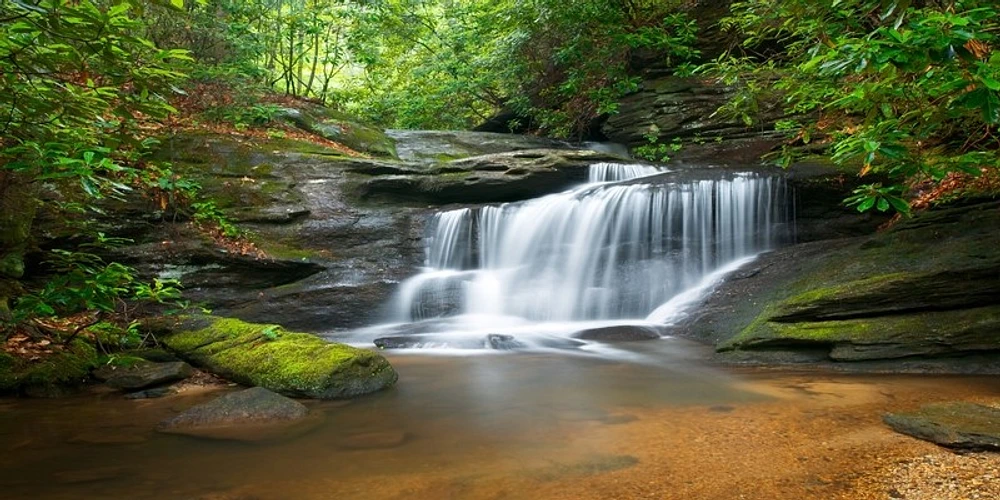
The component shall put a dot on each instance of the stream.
(541, 425)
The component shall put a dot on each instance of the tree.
(76, 81)
(906, 89)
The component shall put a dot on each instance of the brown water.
(496, 427)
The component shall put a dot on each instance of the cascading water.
(619, 249)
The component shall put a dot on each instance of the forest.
(161, 167)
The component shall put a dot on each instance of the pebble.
(939, 476)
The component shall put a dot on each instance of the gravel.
(938, 476)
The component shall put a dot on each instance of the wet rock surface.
(921, 294)
(619, 333)
(143, 374)
(490, 178)
(959, 425)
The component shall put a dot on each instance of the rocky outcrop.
(440, 146)
(960, 425)
(686, 109)
(928, 288)
(489, 178)
(293, 364)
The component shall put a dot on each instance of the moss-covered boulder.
(53, 375)
(290, 363)
(927, 288)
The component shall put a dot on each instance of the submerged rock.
(954, 425)
(222, 417)
(290, 363)
(374, 440)
(142, 374)
(156, 392)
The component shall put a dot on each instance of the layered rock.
(687, 108)
(928, 288)
(490, 178)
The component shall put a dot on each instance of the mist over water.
(616, 250)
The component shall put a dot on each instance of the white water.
(606, 253)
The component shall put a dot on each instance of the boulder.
(142, 374)
(228, 416)
(619, 333)
(960, 425)
(290, 363)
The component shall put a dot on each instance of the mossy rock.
(50, 376)
(928, 288)
(880, 337)
(341, 128)
(290, 363)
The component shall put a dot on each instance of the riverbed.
(660, 424)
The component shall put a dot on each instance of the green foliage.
(654, 150)
(907, 90)
(83, 281)
(870, 196)
(447, 65)
(113, 337)
(207, 213)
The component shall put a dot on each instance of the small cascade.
(602, 251)
(617, 249)
(611, 172)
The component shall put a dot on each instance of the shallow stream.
(663, 425)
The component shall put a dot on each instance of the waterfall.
(616, 248)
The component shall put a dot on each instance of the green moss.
(969, 327)
(66, 368)
(850, 289)
(296, 364)
(279, 250)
